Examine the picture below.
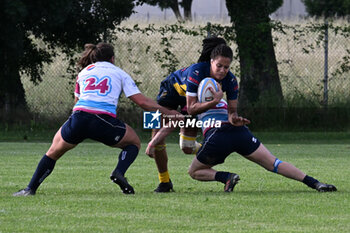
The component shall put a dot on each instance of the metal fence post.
(325, 80)
(208, 29)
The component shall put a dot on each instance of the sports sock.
(310, 181)
(42, 171)
(164, 177)
(222, 176)
(126, 157)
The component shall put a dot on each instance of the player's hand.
(217, 95)
(238, 121)
(150, 150)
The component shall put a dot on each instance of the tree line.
(69, 24)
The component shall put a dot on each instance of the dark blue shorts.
(219, 143)
(102, 128)
(169, 97)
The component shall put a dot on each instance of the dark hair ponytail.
(94, 53)
(208, 46)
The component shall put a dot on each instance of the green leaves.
(63, 24)
(327, 8)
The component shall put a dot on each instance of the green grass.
(25, 134)
(79, 197)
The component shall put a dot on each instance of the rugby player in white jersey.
(98, 87)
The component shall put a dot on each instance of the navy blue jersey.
(172, 91)
(177, 80)
(197, 72)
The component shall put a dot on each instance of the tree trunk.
(12, 98)
(174, 5)
(187, 5)
(260, 84)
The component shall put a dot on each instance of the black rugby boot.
(164, 187)
(231, 182)
(120, 180)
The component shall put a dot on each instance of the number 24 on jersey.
(100, 86)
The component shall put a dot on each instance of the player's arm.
(233, 117)
(76, 92)
(194, 107)
(133, 93)
(150, 105)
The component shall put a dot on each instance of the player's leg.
(46, 164)
(161, 159)
(203, 172)
(167, 97)
(200, 171)
(187, 140)
(130, 145)
(115, 133)
(264, 158)
(208, 156)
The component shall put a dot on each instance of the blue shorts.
(102, 128)
(219, 143)
(169, 97)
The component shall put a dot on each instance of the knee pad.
(275, 165)
(189, 142)
(160, 147)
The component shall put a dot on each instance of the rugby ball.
(203, 93)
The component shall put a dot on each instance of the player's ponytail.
(94, 53)
(208, 46)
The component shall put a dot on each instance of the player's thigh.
(197, 165)
(130, 138)
(58, 146)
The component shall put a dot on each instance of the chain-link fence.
(149, 53)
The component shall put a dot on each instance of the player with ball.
(233, 135)
(172, 95)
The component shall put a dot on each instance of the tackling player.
(98, 87)
(231, 137)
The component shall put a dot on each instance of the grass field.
(79, 197)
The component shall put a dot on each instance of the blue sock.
(42, 171)
(126, 157)
(222, 176)
(310, 181)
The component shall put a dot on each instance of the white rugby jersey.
(99, 87)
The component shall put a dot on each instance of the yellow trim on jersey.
(181, 89)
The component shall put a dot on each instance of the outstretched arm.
(150, 105)
(233, 117)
